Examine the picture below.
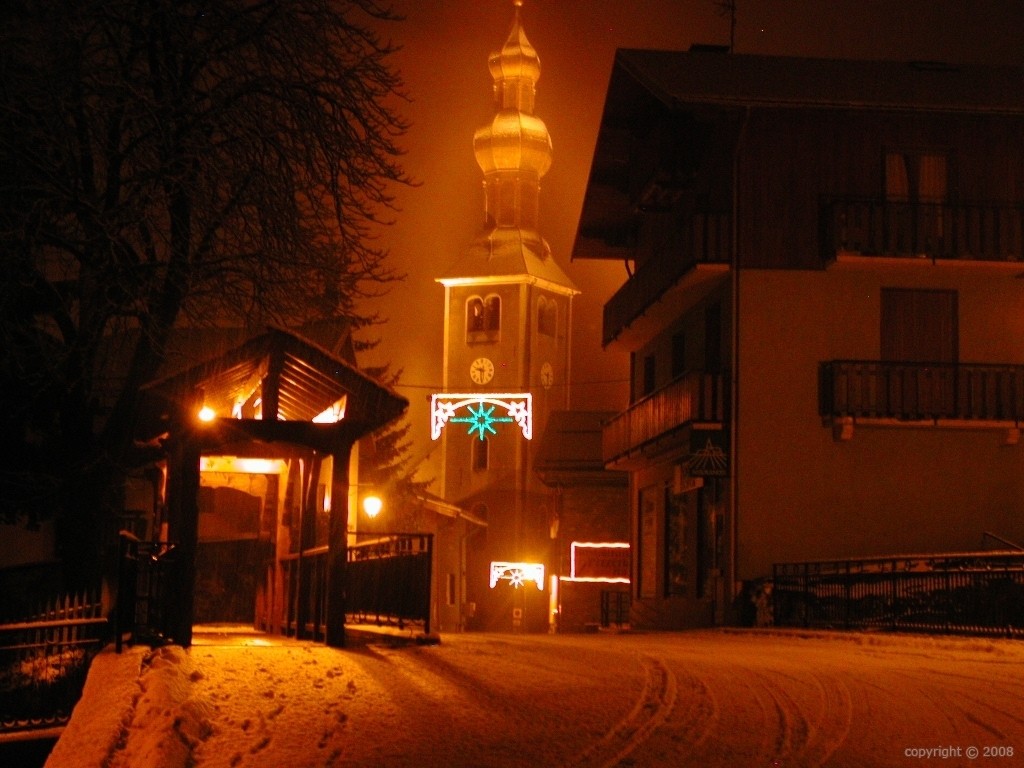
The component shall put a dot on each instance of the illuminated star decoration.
(482, 420)
(514, 407)
(517, 574)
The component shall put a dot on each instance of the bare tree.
(173, 163)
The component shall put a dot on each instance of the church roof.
(509, 254)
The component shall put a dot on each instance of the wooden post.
(337, 547)
(183, 531)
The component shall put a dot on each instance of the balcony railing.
(916, 391)
(876, 227)
(708, 242)
(695, 397)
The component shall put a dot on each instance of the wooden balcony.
(877, 227)
(708, 241)
(694, 398)
(964, 394)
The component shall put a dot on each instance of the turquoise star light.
(482, 420)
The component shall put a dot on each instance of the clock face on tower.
(481, 370)
(547, 375)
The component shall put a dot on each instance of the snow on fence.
(44, 660)
(961, 593)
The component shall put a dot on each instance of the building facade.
(508, 314)
(824, 314)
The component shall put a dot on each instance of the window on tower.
(475, 315)
(492, 313)
(547, 316)
(483, 318)
(480, 454)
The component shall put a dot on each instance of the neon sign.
(605, 562)
(517, 574)
(481, 412)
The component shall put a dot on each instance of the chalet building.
(825, 314)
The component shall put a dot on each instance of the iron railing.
(878, 227)
(44, 660)
(694, 397)
(966, 593)
(389, 580)
(897, 390)
(303, 610)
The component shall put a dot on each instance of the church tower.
(508, 314)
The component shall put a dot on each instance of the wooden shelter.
(277, 396)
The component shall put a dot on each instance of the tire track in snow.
(656, 701)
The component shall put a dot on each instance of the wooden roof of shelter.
(296, 379)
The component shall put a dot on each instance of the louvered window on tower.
(480, 450)
(483, 318)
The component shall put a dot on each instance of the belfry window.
(547, 316)
(483, 318)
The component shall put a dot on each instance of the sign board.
(709, 453)
(599, 561)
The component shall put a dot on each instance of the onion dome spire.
(514, 150)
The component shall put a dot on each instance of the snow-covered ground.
(710, 698)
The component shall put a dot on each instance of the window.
(475, 315)
(649, 371)
(547, 316)
(480, 451)
(915, 177)
(678, 355)
(483, 318)
(677, 566)
(916, 189)
(492, 313)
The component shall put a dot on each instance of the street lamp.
(372, 505)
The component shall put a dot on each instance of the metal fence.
(44, 660)
(388, 580)
(978, 593)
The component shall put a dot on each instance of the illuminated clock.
(547, 375)
(481, 370)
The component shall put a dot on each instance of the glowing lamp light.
(517, 574)
(206, 413)
(372, 506)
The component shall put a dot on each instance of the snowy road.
(714, 698)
